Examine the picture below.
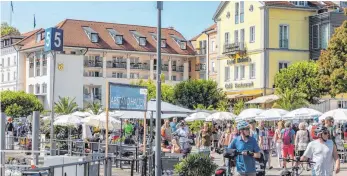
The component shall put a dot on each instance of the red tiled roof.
(212, 27)
(29, 33)
(74, 36)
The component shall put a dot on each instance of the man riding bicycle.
(249, 149)
(323, 152)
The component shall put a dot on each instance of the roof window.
(40, 36)
(141, 40)
(117, 37)
(162, 42)
(92, 35)
(299, 3)
(180, 41)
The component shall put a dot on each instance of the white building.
(97, 52)
(11, 77)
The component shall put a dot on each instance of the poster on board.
(127, 97)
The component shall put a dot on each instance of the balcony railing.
(140, 66)
(119, 76)
(86, 74)
(116, 65)
(165, 67)
(200, 67)
(233, 48)
(284, 43)
(201, 51)
(88, 63)
(173, 68)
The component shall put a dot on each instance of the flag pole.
(11, 6)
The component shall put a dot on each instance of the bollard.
(35, 136)
(2, 143)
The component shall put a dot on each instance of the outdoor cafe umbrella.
(81, 114)
(167, 108)
(337, 114)
(100, 121)
(272, 114)
(301, 113)
(197, 116)
(67, 120)
(140, 114)
(248, 114)
(221, 116)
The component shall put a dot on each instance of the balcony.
(90, 63)
(234, 48)
(200, 67)
(165, 67)
(173, 68)
(201, 51)
(181, 68)
(139, 66)
(92, 74)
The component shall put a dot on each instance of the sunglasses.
(246, 129)
(325, 132)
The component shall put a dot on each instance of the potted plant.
(196, 164)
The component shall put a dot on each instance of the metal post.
(35, 136)
(52, 105)
(158, 121)
(2, 143)
(150, 132)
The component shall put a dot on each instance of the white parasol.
(81, 114)
(221, 116)
(197, 116)
(272, 114)
(337, 114)
(302, 113)
(67, 120)
(248, 114)
(100, 121)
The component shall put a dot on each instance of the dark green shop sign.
(239, 60)
(238, 85)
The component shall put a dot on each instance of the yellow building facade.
(255, 40)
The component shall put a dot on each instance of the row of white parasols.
(269, 115)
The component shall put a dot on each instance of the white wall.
(9, 84)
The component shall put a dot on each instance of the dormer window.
(162, 42)
(92, 35)
(39, 36)
(117, 37)
(299, 3)
(141, 40)
(180, 41)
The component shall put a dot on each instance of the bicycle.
(295, 169)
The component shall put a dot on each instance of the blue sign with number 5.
(54, 39)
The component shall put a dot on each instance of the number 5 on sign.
(54, 39)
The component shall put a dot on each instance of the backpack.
(313, 134)
(286, 137)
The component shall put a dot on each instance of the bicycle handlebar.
(297, 160)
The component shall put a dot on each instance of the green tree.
(65, 105)
(238, 107)
(196, 164)
(332, 63)
(192, 92)
(290, 99)
(167, 91)
(302, 77)
(8, 30)
(201, 106)
(95, 108)
(19, 103)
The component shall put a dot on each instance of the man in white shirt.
(323, 152)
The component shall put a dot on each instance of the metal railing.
(200, 67)
(232, 48)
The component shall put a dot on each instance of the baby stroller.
(230, 154)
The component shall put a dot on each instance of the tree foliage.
(95, 108)
(201, 107)
(167, 91)
(8, 30)
(65, 105)
(196, 164)
(193, 92)
(290, 99)
(332, 63)
(19, 103)
(302, 77)
(239, 107)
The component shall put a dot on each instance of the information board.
(127, 97)
(54, 39)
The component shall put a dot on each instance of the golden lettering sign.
(60, 66)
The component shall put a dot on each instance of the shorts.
(288, 150)
(345, 135)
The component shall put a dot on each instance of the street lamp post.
(158, 100)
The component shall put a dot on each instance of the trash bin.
(9, 141)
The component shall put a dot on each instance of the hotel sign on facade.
(238, 60)
(239, 85)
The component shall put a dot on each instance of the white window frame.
(236, 73)
(280, 39)
(163, 43)
(213, 46)
(213, 67)
(318, 37)
(227, 76)
(119, 39)
(93, 39)
(242, 72)
(252, 34)
(252, 70)
(226, 37)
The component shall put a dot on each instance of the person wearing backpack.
(312, 128)
(287, 136)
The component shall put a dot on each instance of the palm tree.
(290, 99)
(65, 105)
(95, 108)
(238, 107)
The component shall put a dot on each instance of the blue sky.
(189, 18)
